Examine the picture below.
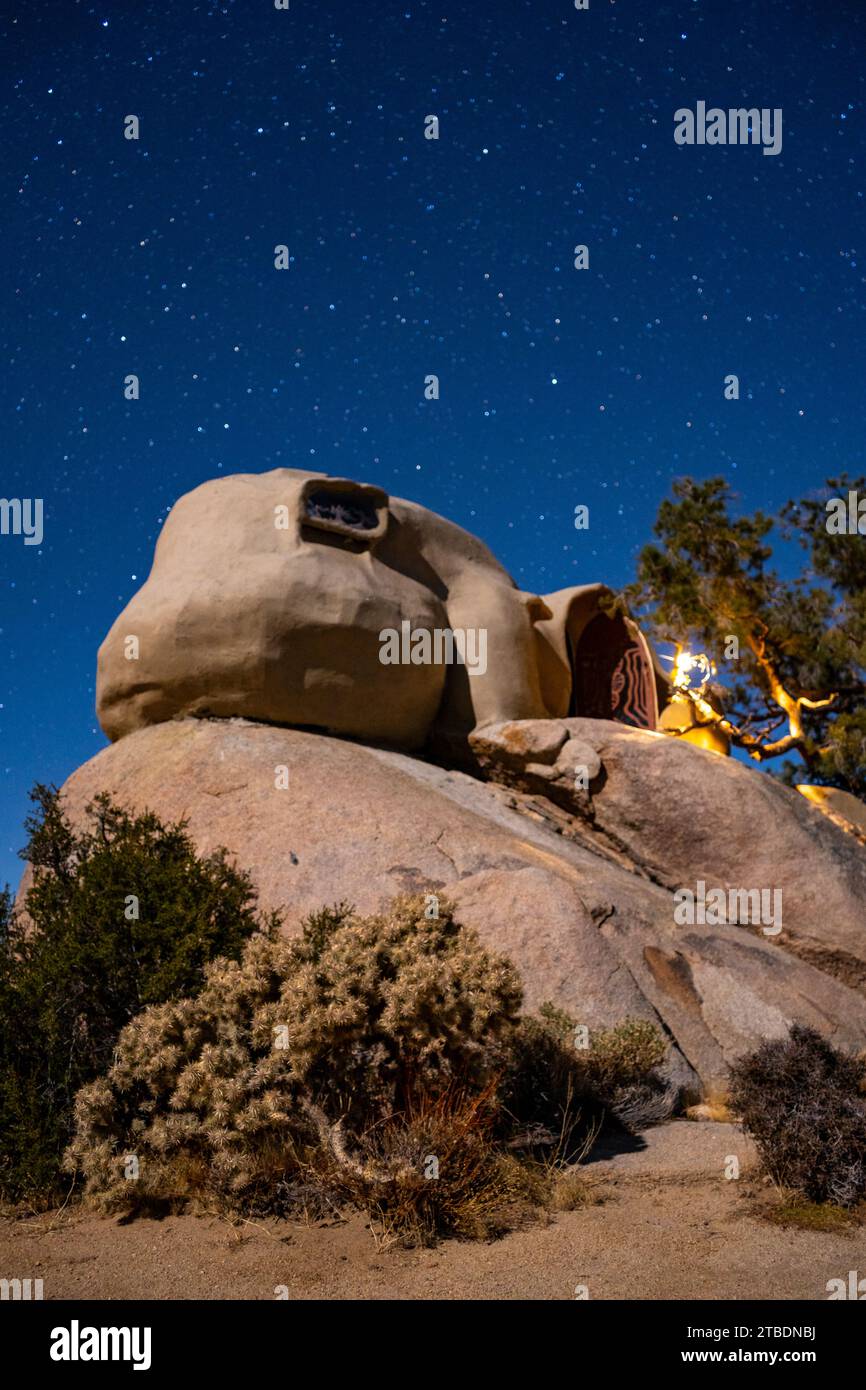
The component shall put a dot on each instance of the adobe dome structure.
(270, 594)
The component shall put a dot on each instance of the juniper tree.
(121, 913)
(791, 653)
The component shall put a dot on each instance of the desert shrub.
(541, 1092)
(623, 1056)
(378, 1005)
(642, 1104)
(557, 1092)
(296, 1050)
(621, 1068)
(802, 1101)
(120, 914)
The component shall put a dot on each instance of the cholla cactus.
(344, 1023)
(394, 999)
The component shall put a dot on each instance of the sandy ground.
(670, 1226)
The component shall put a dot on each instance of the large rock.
(684, 815)
(583, 905)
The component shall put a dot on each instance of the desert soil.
(668, 1225)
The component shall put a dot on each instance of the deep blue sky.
(409, 257)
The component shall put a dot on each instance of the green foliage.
(842, 760)
(541, 1093)
(5, 914)
(838, 563)
(794, 1210)
(623, 1055)
(804, 1103)
(79, 962)
(709, 577)
(301, 1044)
(319, 927)
(556, 1090)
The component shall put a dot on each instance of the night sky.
(409, 257)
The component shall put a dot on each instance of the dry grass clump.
(571, 1190)
(715, 1105)
(435, 1171)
